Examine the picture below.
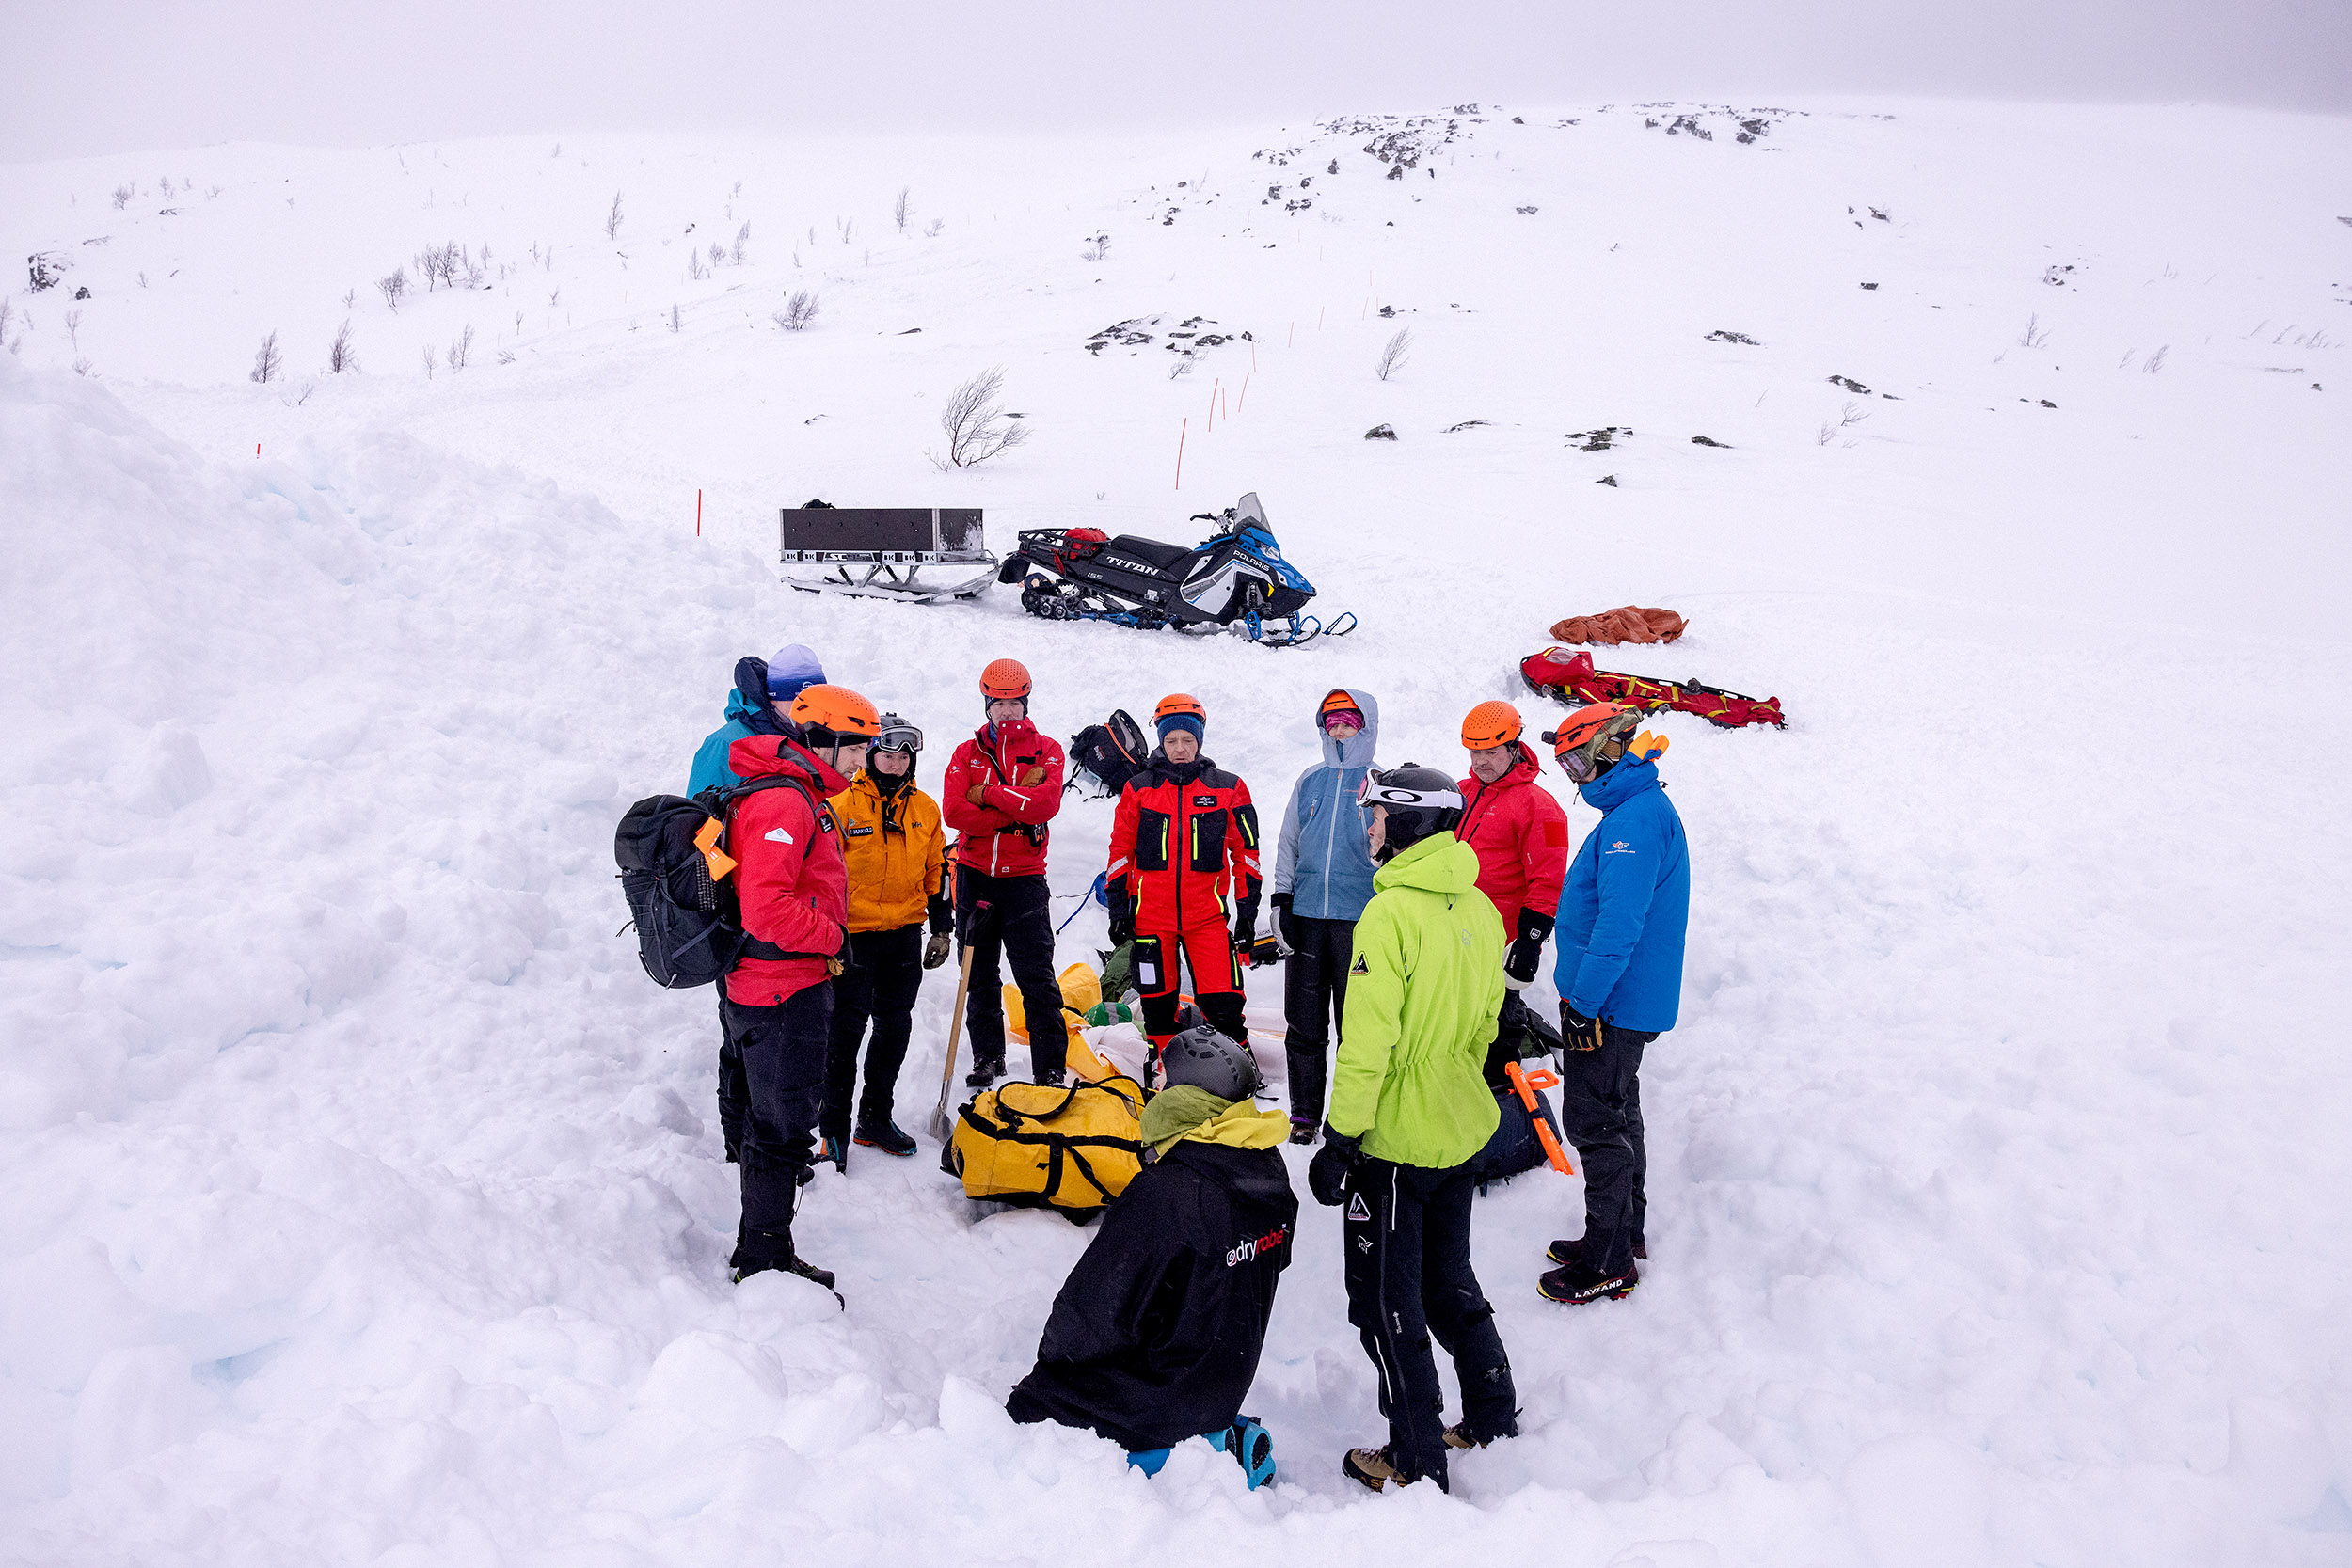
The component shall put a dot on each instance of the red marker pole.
(1213, 391)
(1245, 390)
(1179, 451)
(698, 513)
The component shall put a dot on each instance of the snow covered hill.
(363, 1201)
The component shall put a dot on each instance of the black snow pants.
(1314, 1000)
(735, 1096)
(782, 1049)
(1600, 1110)
(885, 971)
(1011, 916)
(1408, 1278)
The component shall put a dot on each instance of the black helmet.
(1209, 1059)
(1419, 801)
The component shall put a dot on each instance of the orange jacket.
(896, 855)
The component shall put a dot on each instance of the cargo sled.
(918, 555)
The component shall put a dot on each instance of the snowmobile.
(1235, 579)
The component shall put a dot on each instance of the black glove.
(942, 912)
(1283, 921)
(1122, 918)
(1244, 930)
(1326, 1173)
(1527, 953)
(935, 951)
(1579, 1031)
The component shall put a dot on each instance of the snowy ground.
(363, 1201)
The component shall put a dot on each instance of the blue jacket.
(748, 714)
(1625, 904)
(1321, 860)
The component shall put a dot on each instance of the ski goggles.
(1372, 792)
(1581, 762)
(897, 735)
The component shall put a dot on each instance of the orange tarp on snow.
(1632, 624)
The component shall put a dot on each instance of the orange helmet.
(837, 711)
(1179, 703)
(1577, 744)
(1491, 724)
(1004, 680)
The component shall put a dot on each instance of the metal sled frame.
(881, 553)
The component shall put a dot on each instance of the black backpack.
(689, 925)
(1109, 754)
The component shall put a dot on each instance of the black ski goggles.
(897, 735)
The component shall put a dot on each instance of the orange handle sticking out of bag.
(1525, 1083)
(706, 840)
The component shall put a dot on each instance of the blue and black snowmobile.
(1237, 580)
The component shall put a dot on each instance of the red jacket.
(1180, 829)
(1005, 835)
(789, 875)
(1522, 836)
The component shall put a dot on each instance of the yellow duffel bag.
(1071, 1148)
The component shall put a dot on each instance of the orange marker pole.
(1179, 451)
(698, 513)
(1245, 390)
(1213, 391)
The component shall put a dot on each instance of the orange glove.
(1035, 774)
(975, 794)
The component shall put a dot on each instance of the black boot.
(884, 1134)
(758, 1251)
(985, 1070)
(1575, 1285)
(1570, 1251)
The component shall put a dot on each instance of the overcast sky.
(87, 76)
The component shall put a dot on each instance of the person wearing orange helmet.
(1622, 916)
(793, 887)
(1184, 831)
(1522, 836)
(1002, 786)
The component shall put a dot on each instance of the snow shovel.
(941, 1126)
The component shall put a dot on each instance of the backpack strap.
(721, 803)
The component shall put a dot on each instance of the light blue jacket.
(1625, 905)
(710, 758)
(1321, 860)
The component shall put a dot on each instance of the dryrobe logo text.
(1246, 1251)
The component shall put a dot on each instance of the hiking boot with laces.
(1572, 1250)
(985, 1070)
(1372, 1467)
(886, 1137)
(1574, 1285)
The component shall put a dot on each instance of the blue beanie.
(792, 670)
(1183, 721)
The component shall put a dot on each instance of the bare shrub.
(674, 323)
(461, 349)
(977, 429)
(2155, 361)
(351, 297)
(74, 327)
(303, 391)
(898, 210)
(936, 224)
(1182, 367)
(123, 195)
(743, 237)
(393, 287)
(267, 363)
(613, 218)
(8, 316)
(1097, 248)
(2035, 335)
(1392, 358)
(694, 272)
(83, 366)
(425, 353)
(339, 359)
(846, 226)
(1848, 416)
(718, 254)
(798, 313)
(506, 357)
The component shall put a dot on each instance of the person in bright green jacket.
(1409, 1108)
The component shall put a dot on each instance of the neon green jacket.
(1421, 999)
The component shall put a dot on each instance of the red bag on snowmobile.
(1569, 676)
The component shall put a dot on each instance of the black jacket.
(1155, 1335)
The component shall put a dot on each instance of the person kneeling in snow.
(1155, 1335)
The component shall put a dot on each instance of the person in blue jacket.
(764, 687)
(1620, 928)
(1322, 881)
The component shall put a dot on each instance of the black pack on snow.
(689, 924)
(1109, 754)
(1515, 1147)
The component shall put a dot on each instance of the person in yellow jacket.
(897, 854)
